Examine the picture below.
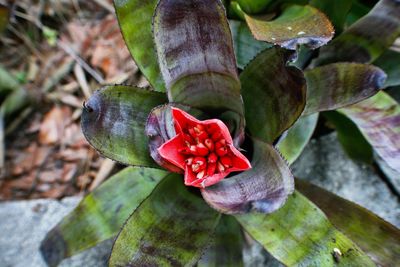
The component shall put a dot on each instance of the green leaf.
(389, 62)
(336, 10)
(295, 26)
(135, 19)
(378, 119)
(113, 121)
(170, 228)
(246, 47)
(7, 82)
(299, 234)
(253, 6)
(377, 238)
(226, 246)
(368, 38)
(264, 188)
(100, 215)
(273, 94)
(297, 137)
(350, 137)
(15, 101)
(341, 84)
(196, 55)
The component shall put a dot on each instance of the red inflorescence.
(203, 149)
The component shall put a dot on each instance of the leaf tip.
(53, 247)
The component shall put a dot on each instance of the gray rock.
(325, 163)
(24, 224)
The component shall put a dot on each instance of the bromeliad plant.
(226, 136)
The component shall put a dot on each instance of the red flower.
(203, 149)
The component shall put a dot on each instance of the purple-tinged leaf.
(196, 55)
(366, 39)
(341, 84)
(296, 25)
(274, 94)
(377, 238)
(114, 119)
(171, 227)
(264, 188)
(134, 17)
(378, 119)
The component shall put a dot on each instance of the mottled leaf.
(299, 234)
(366, 39)
(295, 26)
(297, 137)
(253, 6)
(226, 246)
(246, 47)
(264, 188)
(196, 54)
(341, 84)
(377, 238)
(100, 215)
(389, 62)
(170, 228)
(114, 119)
(336, 10)
(273, 93)
(350, 137)
(378, 119)
(135, 19)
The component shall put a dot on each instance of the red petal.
(169, 151)
(183, 120)
(239, 161)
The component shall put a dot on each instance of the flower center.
(206, 151)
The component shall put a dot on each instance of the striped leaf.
(170, 228)
(100, 215)
(114, 119)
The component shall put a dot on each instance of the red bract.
(203, 149)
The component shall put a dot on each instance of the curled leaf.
(366, 39)
(341, 84)
(264, 188)
(378, 119)
(274, 94)
(196, 55)
(114, 119)
(295, 26)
